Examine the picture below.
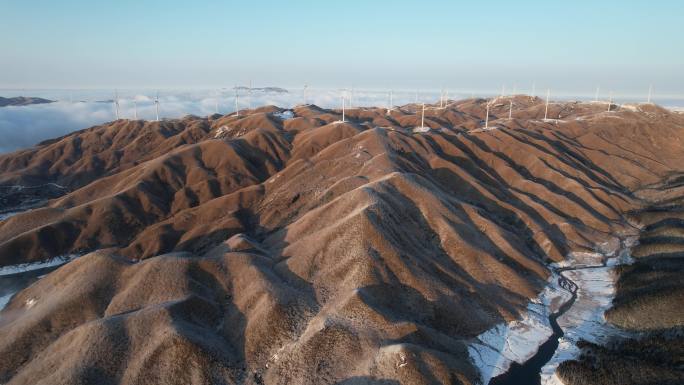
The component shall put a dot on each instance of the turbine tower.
(510, 109)
(546, 111)
(343, 106)
(650, 91)
(391, 102)
(597, 94)
(306, 86)
(487, 117)
(422, 118)
(610, 100)
(156, 104)
(116, 103)
(237, 97)
(135, 109)
(249, 96)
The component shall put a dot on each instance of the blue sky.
(574, 46)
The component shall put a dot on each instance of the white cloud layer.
(25, 126)
(22, 127)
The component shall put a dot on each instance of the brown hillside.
(260, 250)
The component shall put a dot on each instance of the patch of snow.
(4, 300)
(631, 107)
(19, 187)
(578, 259)
(10, 214)
(284, 115)
(585, 320)
(21, 209)
(25, 267)
(221, 132)
(493, 351)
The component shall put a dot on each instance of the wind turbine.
(510, 109)
(343, 106)
(597, 94)
(390, 106)
(304, 93)
(249, 96)
(237, 97)
(546, 111)
(650, 91)
(610, 100)
(116, 103)
(135, 109)
(487, 117)
(156, 104)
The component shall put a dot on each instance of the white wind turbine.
(306, 86)
(610, 100)
(650, 91)
(116, 103)
(156, 105)
(343, 106)
(487, 117)
(546, 110)
(390, 106)
(249, 96)
(237, 101)
(135, 109)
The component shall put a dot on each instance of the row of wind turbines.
(117, 109)
(347, 98)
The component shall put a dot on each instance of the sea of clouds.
(25, 126)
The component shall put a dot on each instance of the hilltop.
(23, 101)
